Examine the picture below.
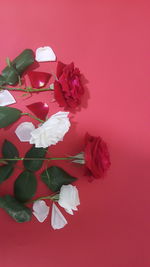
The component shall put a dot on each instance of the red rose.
(68, 89)
(96, 157)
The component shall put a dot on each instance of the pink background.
(109, 41)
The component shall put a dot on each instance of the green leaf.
(9, 151)
(8, 116)
(2, 80)
(54, 177)
(11, 73)
(5, 172)
(25, 186)
(24, 60)
(34, 152)
(15, 209)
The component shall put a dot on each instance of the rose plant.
(68, 91)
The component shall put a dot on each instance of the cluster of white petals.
(52, 131)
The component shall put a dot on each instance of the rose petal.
(45, 54)
(59, 95)
(39, 109)
(6, 98)
(40, 210)
(23, 131)
(69, 198)
(60, 67)
(38, 79)
(58, 221)
(69, 211)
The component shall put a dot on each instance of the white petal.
(69, 211)
(6, 98)
(61, 114)
(40, 210)
(77, 199)
(45, 53)
(58, 221)
(24, 130)
(69, 198)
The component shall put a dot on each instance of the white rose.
(51, 131)
(69, 198)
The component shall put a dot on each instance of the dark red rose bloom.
(69, 88)
(96, 157)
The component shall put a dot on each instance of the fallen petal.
(38, 79)
(40, 210)
(44, 54)
(23, 131)
(6, 98)
(58, 221)
(40, 109)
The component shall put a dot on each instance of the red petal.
(39, 109)
(60, 67)
(58, 95)
(38, 79)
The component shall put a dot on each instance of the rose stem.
(28, 90)
(33, 117)
(17, 159)
(53, 197)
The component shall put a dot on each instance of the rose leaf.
(8, 116)
(15, 209)
(25, 186)
(9, 150)
(10, 75)
(34, 152)
(54, 177)
(5, 172)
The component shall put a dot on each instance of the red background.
(109, 41)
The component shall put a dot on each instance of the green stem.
(17, 159)
(28, 89)
(33, 117)
(54, 197)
